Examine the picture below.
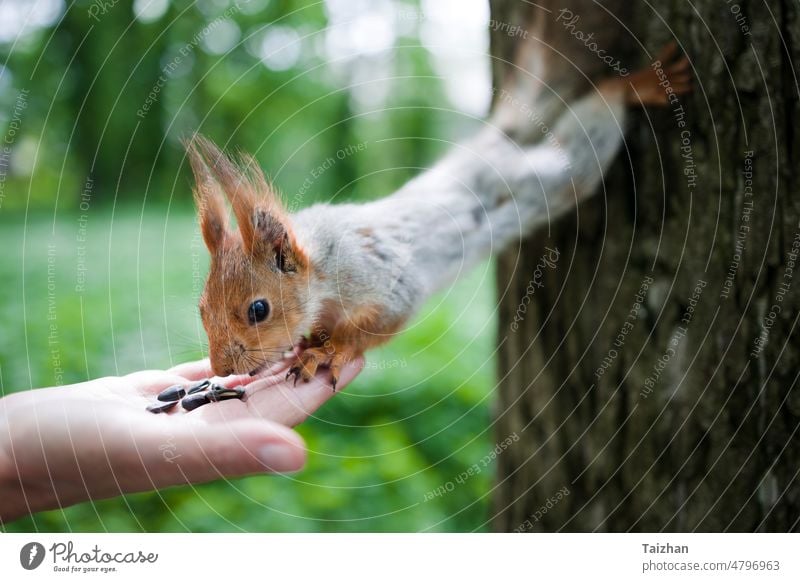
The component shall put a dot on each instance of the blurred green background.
(102, 260)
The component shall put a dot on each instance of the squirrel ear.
(272, 229)
(263, 222)
(275, 239)
(235, 183)
(208, 197)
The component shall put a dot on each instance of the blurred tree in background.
(103, 263)
(114, 84)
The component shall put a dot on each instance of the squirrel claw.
(314, 358)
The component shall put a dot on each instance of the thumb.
(191, 452)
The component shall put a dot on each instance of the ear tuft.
(263, 222)
(235, 183)
(213, 216)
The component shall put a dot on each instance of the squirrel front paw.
(312, 358)
(654, 85)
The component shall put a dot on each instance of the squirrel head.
(252, 306)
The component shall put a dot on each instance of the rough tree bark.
(653, 377)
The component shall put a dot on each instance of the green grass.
(376, 449)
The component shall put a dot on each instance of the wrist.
(17, 499)
(616, 88)
(10, 489)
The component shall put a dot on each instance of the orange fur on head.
(261, 261)
(209, 201)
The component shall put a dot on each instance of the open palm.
(60, 446)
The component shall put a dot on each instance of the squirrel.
(332, 281)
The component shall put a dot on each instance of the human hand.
(64, 445)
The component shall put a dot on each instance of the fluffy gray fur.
(485, 194)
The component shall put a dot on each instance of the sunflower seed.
(195, 401)
(160, 407)
(198, 386)
(220, 393)
(172, 394)
(194, 396)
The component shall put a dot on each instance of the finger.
(182, 451)
(193, 370)
(667, 52)
(290, 405)
(95, 449)
(275, 372)
(201, 369)
(274, 398)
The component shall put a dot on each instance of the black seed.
(221, 388)
(219, 393)
(195, 401)
(172, 394)
(198, 386)
(159, 407)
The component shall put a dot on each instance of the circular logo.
(31, 555)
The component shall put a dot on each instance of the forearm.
(13, 503)
(589, 135)
(575, 148)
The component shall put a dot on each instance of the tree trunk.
(652, 377)
(115, 65)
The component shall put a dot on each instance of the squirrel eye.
(258, 311)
